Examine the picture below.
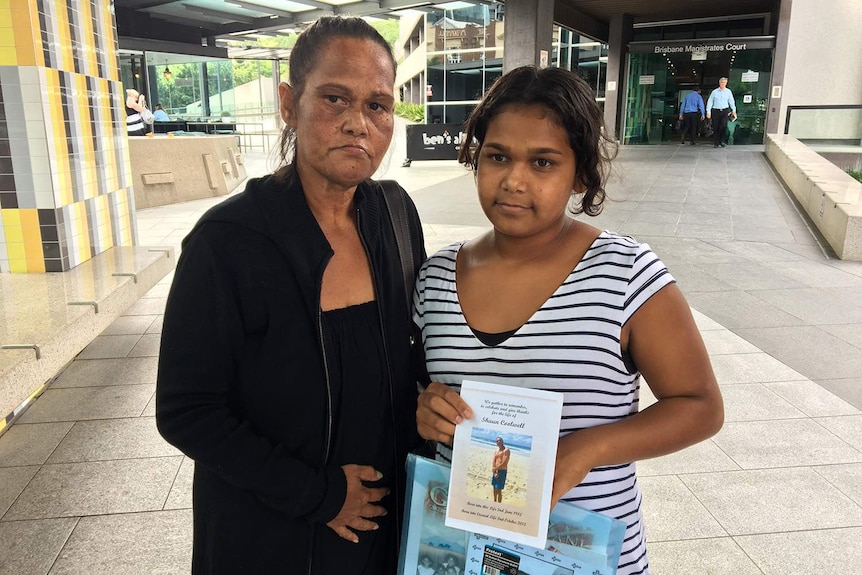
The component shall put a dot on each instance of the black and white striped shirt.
(570, 345)
(135, 125)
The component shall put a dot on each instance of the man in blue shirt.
(690, 112)
(720, 107)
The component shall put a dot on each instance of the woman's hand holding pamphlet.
(489, 514)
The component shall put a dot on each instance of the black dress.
(360, 401)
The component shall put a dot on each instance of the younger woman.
(548, 302)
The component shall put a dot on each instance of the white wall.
(824, 54)
(413, 64)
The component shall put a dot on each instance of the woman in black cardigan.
(285, 358)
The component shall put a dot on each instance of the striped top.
(135, 123)
(570, 345)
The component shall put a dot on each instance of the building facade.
(800, 56)
(449, 58)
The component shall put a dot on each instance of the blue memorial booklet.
(579, 542)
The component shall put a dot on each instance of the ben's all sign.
(434, 141)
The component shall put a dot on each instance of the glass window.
(711, 30)
(747, 27)
(581, 54)
(681, 32)
(646, 34)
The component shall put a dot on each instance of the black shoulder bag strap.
(393, 197)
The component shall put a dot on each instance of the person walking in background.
(285, 362)
(719, 108)
(547, 301)
(691, 112)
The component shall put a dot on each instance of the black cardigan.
(242, 387)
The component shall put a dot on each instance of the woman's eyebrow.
(541, 150)
(335, 87)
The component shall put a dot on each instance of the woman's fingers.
(345, 533)
(438, 411)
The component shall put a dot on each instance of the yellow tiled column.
(64, 180)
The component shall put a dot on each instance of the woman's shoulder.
(613, 242)
(441, 262)
(445, 257)
(620, 252)
(246, 208)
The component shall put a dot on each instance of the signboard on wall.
(646, 80)
(703, 46)
(434, 141)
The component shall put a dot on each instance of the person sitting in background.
(160, 115)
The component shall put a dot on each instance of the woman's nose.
(514, 179)
(355, 122)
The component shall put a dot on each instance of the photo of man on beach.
(499, 469)
(501, 459)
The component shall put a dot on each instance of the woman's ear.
(578, 186)
(287, 103)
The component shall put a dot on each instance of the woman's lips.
(511, 207)
(354, 150)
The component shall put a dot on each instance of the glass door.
(651, 101)
(657, 82)
(749, 79)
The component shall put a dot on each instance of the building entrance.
(661, 74)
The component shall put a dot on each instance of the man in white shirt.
(719, 108)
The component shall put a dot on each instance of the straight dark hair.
(572, 106)
(304, 57)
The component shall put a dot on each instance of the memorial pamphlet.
(503, 462)
(579, 542)
(426, 542)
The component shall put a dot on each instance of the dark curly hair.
(571, 103)
(304, 57)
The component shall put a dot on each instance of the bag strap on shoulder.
(393, 197)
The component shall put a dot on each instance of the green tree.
(388, 29)
(245, 71)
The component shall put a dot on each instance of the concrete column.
(816, 63)
(529, 31)
(276, 80)
(774, 121)
(619, 35)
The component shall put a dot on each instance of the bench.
(828, 194)
(49, 318)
